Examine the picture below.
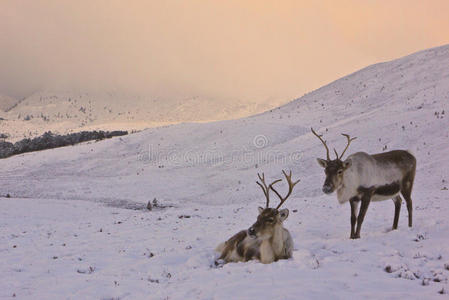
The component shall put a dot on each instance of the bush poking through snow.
(425, 281)
(153, 280)
(89, 270)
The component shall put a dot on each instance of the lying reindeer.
(365, 178)
(266, 240)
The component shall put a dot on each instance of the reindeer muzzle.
(327, 189)
(252, 232)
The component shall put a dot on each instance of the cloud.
(219, 49)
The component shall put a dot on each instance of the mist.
(247, 50)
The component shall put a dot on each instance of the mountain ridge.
(66, 112)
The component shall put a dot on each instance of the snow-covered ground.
(75, 226)
(71, 111)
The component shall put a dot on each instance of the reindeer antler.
(336, 153)
(265, 188)
(324, 143)
(349, 142)
(291, 185)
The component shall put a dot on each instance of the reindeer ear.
(322, 162)
(283, 214)
(260, 209)
(347, 164)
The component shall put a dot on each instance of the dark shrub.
(49, 140)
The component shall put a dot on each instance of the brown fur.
(236, 242)
(266, 240)
(363, 177)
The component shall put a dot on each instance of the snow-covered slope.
(97, 248)
(63, 112)
(7, 102)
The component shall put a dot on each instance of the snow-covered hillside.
(7, 103)
(75, 227)
(65, 112)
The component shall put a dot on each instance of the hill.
(72, 111)
(7, 102)
(206, 174)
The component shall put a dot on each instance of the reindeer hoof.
(218, 263)
(355, 236)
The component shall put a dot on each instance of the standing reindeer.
(266, 240)
(364, 178)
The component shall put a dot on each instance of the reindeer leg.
(397, 209)
(406, 191)
(354, 201)
(366, 198)
(406, 194)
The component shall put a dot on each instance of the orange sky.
(220, 49)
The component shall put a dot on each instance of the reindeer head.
(335, 168)
(269, 217)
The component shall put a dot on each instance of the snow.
(76, 224)
(7, 103)
(71, 111)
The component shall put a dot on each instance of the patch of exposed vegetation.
(50, 140)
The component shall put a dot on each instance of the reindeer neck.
(344, 193)
(277, 240)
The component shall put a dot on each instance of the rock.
(149, 205)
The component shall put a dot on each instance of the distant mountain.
(7, 102)
(65, 112)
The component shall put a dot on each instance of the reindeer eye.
(340, 171)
